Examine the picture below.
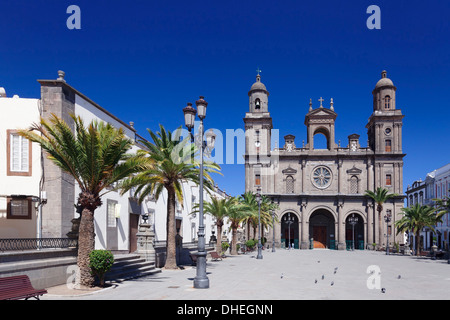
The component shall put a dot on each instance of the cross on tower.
(321, 100)
(258, 70)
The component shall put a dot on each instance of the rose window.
(321, 177)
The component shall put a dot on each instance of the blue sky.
(144, 60)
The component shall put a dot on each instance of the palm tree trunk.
(86, 243)
(233, 241)
(171, 259)
(418, 242)
(219, 238)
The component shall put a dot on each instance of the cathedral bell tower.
(258, 125)
(384, 131)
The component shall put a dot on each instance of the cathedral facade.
(320, 192)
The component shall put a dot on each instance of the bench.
(18, 287)
(194, 258)
(215, 256)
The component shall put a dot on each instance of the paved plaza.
(289, 275)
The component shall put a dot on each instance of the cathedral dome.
(384, 81)
(258, 86)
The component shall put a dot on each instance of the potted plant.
(225, 246)
(101, 262)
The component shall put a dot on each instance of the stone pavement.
(288, 275)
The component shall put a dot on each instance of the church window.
(354, 184)
(388, 180)
(388, 146)
(289, 184)
(387, 102)
(257, 104)
(321, 177)
(257, 179)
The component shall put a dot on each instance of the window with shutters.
(388, 180)
(388, 146)
(18, 155)
(257, 180)
(289, 184)
(111, 213)
(19, 207)
(354, 184)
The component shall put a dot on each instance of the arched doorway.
(354, 232)
(321, 229)
(289, 230)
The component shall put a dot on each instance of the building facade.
(318, 190)
(27, 176)
(435, 186)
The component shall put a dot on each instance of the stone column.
(370, 237)
(304, 244)
(145, 239)
(341, 227)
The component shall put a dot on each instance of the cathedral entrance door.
(321, 228)
(320, 237)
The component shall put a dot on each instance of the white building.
(435, 186)
(26, 173)
(20, 169)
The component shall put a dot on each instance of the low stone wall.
(45, 268)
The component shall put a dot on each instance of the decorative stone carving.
(145, 240)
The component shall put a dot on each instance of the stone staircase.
(129, 266)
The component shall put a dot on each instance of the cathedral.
(320, 192)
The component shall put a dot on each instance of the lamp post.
(387, 219)
(353, 221)
(201, 280)
(273, 230)
(289, 221)
(258, 200)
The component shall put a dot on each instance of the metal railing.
(18, 244)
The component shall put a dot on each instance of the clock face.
(321, 177)
(388, 131)
(257, 144)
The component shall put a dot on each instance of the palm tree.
(250, 206)
(417, 217)
(380, 196)
(96, 157)
(236, 213)
(218, 209)
(171, 162)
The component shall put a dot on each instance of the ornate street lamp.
(258, 199)
(289, 220)
(201, 280)
(387, 219)
(353, 221)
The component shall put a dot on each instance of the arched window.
(289, 184)
(354, 184)
(257, 104)
(387, 102)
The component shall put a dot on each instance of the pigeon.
(315, 281)
(323, 277)
(318, 261)
(383, 290)
(332, 282)
(334, 271)
(282, 276)
(399, 276)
